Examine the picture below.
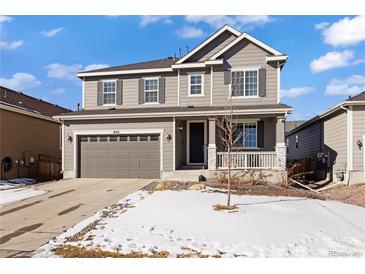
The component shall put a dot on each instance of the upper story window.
(109, 92)
(244, 83)
(246, 135)
(151, 90)
(196, 85)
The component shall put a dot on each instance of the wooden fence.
(49, 168)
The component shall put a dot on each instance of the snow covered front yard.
(12, 195)
(184, 223)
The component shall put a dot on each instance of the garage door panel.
(134, 156)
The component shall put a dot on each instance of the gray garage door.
(124, 156)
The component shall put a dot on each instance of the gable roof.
(252, 40)
(357, 98)
(208, 40)
(28, 103)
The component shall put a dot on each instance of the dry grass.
(354, 194)
(219, 207)
(69, 251)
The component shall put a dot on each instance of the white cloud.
(243, 22)
(61, 71)
(4, 18)
(189, 32)
(51, 32)
(20, 81)
(95, 66)
(349, 86)
(151, 19)
(321, 26)
(345, 32)
(296, 92)
(333, 59)
(58, 91)
(11, 45)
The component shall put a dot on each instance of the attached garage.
(119, 156)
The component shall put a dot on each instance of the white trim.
(211, 85)
(63, 147)
(207, 41)
(158, 91)
(244, 69)
(83, 94)
(276, 58)
(169, 114)
(173, 143)
(16, 109)
(350, 138)
(278, 82)
(178, 87)
(198, 64)
(119, 72)
(78, 133)
(251, 39)
(202, 85)
(188, 122)
(115, 91)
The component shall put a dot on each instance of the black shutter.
(119, 92)
(262, 82)
(141, 91)
(227, 77)
(260, 134)
(100, 97)
(161, 89)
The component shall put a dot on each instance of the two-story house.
(157, 119)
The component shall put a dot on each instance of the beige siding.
(185, 99)
(130, 92)
(125, 124)
(358, 131)
(21, 133)
(245, 54)
(213, 47)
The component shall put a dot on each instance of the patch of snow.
(6, 184)
(13, 195)
(184, 221)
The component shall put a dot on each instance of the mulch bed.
(353, 194)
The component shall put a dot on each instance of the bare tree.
(228, 134)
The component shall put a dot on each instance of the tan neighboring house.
(157, 119)
(27, 130)
(335, 139)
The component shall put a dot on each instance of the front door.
(196, 143)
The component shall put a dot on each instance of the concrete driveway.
(28, 224)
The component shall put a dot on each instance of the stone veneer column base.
(212, 157)
(280, 148)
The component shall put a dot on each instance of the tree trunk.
(229, 177)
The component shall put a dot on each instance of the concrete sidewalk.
(28, 224)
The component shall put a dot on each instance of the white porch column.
(212, 148)
(280, 147)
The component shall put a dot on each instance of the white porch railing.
(248, 160)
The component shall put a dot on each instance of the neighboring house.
(335, 138)
(157, 119)
(290, 125)
(27, 130)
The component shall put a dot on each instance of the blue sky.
(40, 54)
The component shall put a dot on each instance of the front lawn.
(184, 224)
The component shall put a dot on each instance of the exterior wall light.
(69, 139)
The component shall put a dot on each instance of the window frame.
(201, 85)
(158, 91)
(244, 69)
(115, 92)
(243, 123)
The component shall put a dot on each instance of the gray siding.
(358, 131)
(185, 99)
(125, 124)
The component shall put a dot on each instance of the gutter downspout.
(348, 144)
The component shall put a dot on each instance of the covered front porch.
(198, 144)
